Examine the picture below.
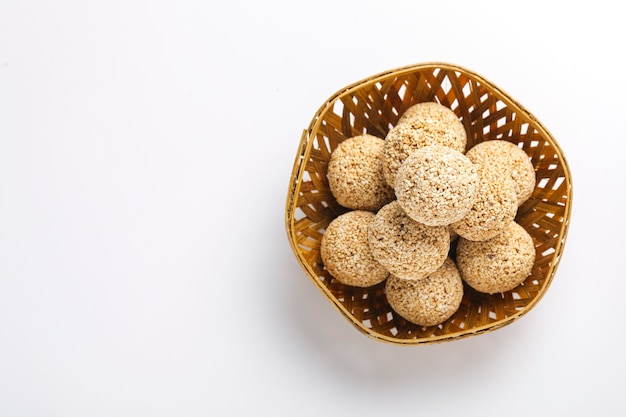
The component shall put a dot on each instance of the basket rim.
(303, 154)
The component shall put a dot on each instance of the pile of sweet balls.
(410, 195)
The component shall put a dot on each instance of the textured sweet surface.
(428, 301)
(498, 264)
(436, 185)
(355, 174)
(506, 157)
(423, 124)
(408, 249)
(494, 208)
(346, 253)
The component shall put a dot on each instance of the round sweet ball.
(498, 264)
(494, 208)
(506, 157)
(346, 253)
(437, 185)
(429, 301)
(421, 125)
(408, 249)
(355, 174)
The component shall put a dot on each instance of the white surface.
(145, 152)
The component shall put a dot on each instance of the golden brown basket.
(373, 106)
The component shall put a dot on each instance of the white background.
(145, 155)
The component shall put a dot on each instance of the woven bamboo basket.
(373, 106)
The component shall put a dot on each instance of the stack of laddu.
(410, 195)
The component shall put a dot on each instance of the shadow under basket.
(374, 106)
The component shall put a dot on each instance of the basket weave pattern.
(374, 106)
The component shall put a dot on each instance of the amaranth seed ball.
(498, 264)
(346, 253)
(494, 208)
(408, 249)
(422, 124)
(429, 301)
(436, 185)
(355, 174)
(506, 157)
